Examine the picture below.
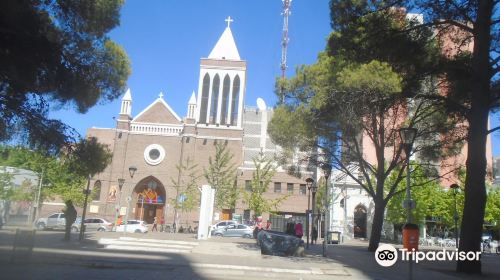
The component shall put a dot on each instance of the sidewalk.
(354, 256)
(348, 260)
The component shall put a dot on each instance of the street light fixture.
(455, 188)
(309, 184)
(132, 169)
(410, 231)
(121, 182)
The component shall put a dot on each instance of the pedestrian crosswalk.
(147, 245)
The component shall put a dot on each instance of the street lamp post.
(407, 135)
(131, 170)
(121, 181)
(327, 170)
(309, 183)
(455, 188)
(313, 187)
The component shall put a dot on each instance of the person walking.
(162, 223)
(155, 224)
(299, 232)
(314, 235)
(70, 213)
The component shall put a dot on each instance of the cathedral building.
(153, 143)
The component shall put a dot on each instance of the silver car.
(92, 224)
(236, 230)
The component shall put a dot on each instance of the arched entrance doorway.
(149, 198)
(360, 221)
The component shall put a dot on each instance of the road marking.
(156, 241)
(146, 249)
(109, 241)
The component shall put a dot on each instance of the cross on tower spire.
(228, 20)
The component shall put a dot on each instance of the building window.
(215, 100)
(289, 188)
(225, 100)
(277, 187)
(204, 99)
(302, 190)
(154, 154)
(248, 185)
(235, 101)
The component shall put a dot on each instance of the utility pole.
(37, 204)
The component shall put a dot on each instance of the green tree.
(471, 88)
(56, 53)
(221, 175)
(334, 103)
(355, 96)
(59, 181)
(431, 199)
(265, 168)
(65, 176)
(187, 194)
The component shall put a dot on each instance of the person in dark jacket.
(314, 235)
(70, 215)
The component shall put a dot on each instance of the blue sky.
(165, 40)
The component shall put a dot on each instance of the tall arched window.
(204, 99)
(235, 102)
(225, 100)
(96, 192)
(215, 99)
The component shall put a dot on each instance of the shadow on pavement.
(358, 258)
(249, 246)
(53, 258)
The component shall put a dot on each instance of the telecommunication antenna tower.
(284, 40)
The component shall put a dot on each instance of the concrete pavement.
(217, 258)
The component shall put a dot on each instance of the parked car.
(222, 224)
(92, 224)
(136, 226)
(235, 230)
(54, 221)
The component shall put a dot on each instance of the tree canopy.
(355, 97)
(467, 33)
(56, 53)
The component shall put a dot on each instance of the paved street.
(180, 256)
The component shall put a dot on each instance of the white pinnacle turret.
(192, 106)
(126, 108)
(192, 100)
(127, 95)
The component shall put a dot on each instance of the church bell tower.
(222, 84)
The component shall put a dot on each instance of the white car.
(222, 224)
(54, 221)
(136, 226)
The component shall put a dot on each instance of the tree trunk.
(378, 220)
(475, 189)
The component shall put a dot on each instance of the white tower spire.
(126, 108)
(191, 107)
